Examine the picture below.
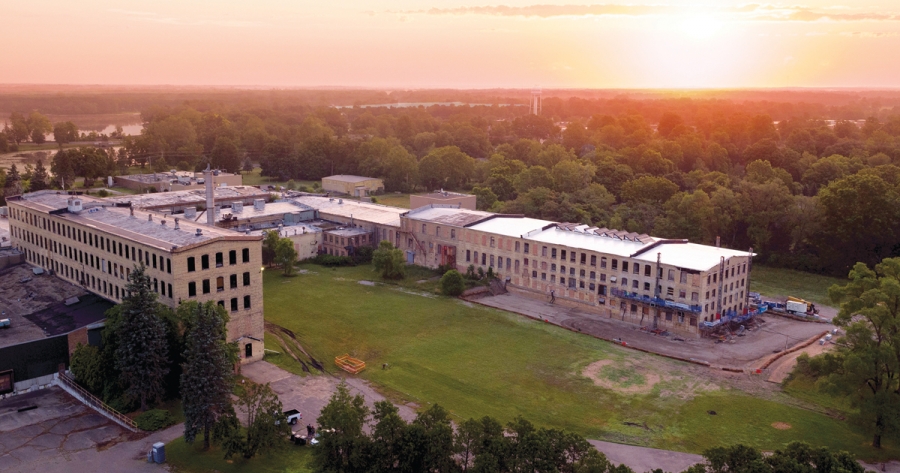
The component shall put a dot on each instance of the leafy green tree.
(142, 352)
(267, 426)
(452, 283)
(388, 434)
(571, 176)
(65, 132)
(685, 216)
(797, 457)
(270, 245)
(19, 130)
(860, 216)
(87, 366)
(285, 255)
(533, 177)
(484, 197)
(343, 444)
(869, 357)
(389, 261)
(428, 443)
(225, 155)
(649, 189)
(446, 167)
(767, 209)
(206, 377)
(38, 126)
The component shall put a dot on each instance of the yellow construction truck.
(795, 305)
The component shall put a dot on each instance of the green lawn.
(255, 178)
(786, 282)
(394, 200)
(192, 459)
(476, 361)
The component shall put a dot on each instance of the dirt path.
(780, 369)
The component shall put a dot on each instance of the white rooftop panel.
(588, 241)
(511, 226)
(690, 255)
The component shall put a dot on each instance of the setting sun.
(701, 26)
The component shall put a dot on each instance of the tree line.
(354, 438)
(803, 192)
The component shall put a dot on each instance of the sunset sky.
(422, 43)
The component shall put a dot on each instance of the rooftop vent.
(237, 207)
(162, 222)
(199, 232)
(259, 204)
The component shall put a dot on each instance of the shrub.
(331, 260)
(452, 283)
(154, 419)
(290, 185)
(363, 254)
(102, 193)
(470, 272)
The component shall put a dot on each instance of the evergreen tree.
(206, 376)
(13, 184)
(142, 354)
(39, 178)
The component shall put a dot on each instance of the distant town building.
(465, 201)
(535, 106)
(356, 186)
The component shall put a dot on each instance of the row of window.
(99, 242)
(220, 284)
(220, 259)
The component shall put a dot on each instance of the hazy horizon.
(451, 44)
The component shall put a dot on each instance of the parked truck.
(795, 305)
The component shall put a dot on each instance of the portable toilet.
(159, 452)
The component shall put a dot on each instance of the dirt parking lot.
(774, 334)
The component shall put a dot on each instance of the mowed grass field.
(786, 282)
(477, 361)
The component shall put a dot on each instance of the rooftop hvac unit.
(190, 212)
(259, 204)
(237, 207)
(74, 204)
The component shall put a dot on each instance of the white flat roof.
(349, 178)
(511, 226)
(448, 215)
(690, 255)
(683, 255)
(588, 241)
(346, 208)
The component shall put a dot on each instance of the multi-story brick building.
(94, 244)
(668, 284)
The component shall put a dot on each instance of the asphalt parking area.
(58, 426)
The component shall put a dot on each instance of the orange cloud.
(749, 11)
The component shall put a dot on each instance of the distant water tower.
(535, 107)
